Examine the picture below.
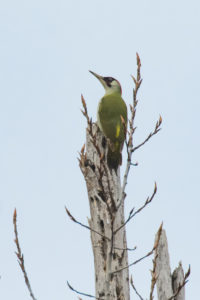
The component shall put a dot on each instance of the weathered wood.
(104, 193)
(177, 280)
(163, 271)
(169, 287)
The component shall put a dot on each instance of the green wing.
(110, 110)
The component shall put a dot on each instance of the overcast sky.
(46, 50)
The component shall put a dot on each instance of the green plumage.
(111, 108)
(112, 119)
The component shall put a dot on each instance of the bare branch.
(101, 155)
(181, 285)
(126, 249)
(135, 262)
(134, 288)
(158, 235)
(117, 248)
(146, 255)
(156, 130)
(83, 294)
(129, 143)
(85, 112)
(103, 170)
(85, 226)
(20, 256)
(153, 278)
(131, 214)
(153, 272)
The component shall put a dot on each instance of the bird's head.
(111, 85)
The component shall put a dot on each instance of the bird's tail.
(114, 158)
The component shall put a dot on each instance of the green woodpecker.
(112, 119)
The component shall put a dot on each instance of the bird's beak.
(100, 78)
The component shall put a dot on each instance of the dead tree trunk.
(107, 215)
(177, 280)
(107, 223)
(169, 287)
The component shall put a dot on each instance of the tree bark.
(104, 193)
(177, 279)
(167, 284)
(163, 270)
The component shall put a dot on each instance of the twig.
(111, 208)
(181, 285)
(153, 278)
(145, 256)
(85, 226)
(135, 289)
(85, 112)
(126, 249)
(131, 214)
(129, 143)
(101, 156)
(80, 293)
(156, 130)
(135, 262)
(117, 248)
(20, 256)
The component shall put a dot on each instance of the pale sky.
(46, 50)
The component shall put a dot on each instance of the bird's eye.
(108, 80)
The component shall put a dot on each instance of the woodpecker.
(112, 119)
